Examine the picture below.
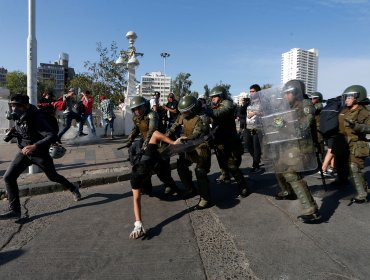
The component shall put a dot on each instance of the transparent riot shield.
(287, 144)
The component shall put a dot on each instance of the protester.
(142, 172)
(107, 109)
(68, 113)
(34, 136)
(254, 135)
(171, 108)
(47, 108)
(88, 102)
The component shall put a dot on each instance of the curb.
(92, 180)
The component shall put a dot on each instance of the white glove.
(138, 231)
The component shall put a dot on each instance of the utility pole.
(32, 62)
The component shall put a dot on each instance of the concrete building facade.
(58, 71)
(155, 81)
(301, 64)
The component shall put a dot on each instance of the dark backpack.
(80, 107)
(329, 124)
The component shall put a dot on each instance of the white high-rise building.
(302, 65)
(155, 81)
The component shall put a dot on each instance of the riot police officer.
(354, 124)
(228, 146)
(194, 126)
(289, 145)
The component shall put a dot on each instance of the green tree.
(107, 77)
(16, 82)
(195, 94)
(206, 91)
(46, 85)
(181, 85)
(266, 86)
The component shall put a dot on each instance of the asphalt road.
(252, 238)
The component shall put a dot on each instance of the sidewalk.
(93, 161)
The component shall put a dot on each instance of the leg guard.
(300, 188)
(185, 176)
(359, 183)
(286, 191)
(240, 180)
(203, 186)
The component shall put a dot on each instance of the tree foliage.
(46, 85)
(206, 91)
(107, 77)
(16, 82)
(181, 85)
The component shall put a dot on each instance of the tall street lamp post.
(164, 55)
(129, 59)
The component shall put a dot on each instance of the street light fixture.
(128, 58)
(164, 55)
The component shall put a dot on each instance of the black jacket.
(32, 128)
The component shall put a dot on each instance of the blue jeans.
(109, 123)
(90, 120)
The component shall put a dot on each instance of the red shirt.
(88, 102)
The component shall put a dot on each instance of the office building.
(3, 73)
(155, 81)
(59, 72)
(302, 65)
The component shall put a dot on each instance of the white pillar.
(32, 62)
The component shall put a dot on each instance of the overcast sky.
(238, 42)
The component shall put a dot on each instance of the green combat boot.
(203, 187)
(286, 192)
(359, 183)
(242, 183)
(310, 213)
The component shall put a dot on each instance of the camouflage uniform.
(358, 145)
(291, 182)
(194, 127)
(227, 143)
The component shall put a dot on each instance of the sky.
(237, 42)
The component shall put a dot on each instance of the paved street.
(252, 238)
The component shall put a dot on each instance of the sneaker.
(256, 170)
(326, 174)
(82, 134)
(10, 215)
(76, 194)
(223, 179)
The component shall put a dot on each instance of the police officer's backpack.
(329, 124)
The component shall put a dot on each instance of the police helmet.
(137, 101)
(187, 104)
(358, 92)
(57, 151)
(297, 87)
(317, 95)
(218, 91)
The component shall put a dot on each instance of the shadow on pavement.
(108, 198)
(155, 231)
(74, 165)
(9, 256)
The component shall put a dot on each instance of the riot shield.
(287, 144)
